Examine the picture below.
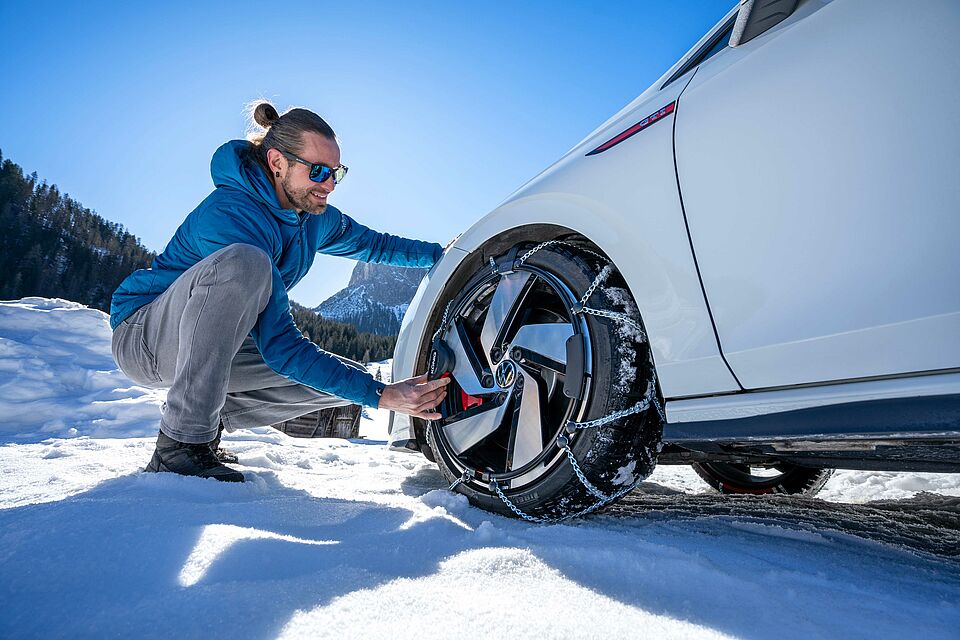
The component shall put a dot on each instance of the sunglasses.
(319, 172)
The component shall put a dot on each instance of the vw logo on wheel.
(506, 374)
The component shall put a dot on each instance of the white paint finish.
(609, 200)
(931, 345)
(855, 275)
(625, 200)
(757, 403)
(709, 374)
(818, 165)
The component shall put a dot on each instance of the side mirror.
(757, 16)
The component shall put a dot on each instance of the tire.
(532, 305)
(782, 477)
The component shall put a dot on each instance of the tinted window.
(716, 44)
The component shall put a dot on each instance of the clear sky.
(442, 108)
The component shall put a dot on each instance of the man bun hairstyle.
(265, 114)
(284, 132)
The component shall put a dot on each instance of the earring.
(278, 174)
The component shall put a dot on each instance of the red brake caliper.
(469, 401)
(466, 400)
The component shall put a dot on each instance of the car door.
(818, 168)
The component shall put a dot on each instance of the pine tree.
(50, 245)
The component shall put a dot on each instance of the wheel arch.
(684, 347)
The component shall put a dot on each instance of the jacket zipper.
(303, 248)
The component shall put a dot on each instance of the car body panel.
(818, 169)
(627, 200)
(591, 196)
(756, 403)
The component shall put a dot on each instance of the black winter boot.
(190, 460)
(223, 455)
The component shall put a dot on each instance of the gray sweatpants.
(194, 339)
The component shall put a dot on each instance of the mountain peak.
(375, 299)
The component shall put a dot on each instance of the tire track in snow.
(927, 523)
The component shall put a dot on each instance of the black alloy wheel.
(524, 364)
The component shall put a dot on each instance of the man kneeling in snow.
(211, 319)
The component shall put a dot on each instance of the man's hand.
(415, 396)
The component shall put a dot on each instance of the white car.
(753, 268)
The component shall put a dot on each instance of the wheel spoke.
(526, 441)
(507, 297)
(466, 368)
(546, 340)
(477, 425)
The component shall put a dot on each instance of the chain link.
(615, 315)
(648, 397)
(604, 273)
(443, 321)
(461, 480)
(564, 443)
(526, 516)
(570, 516)
(548, 243)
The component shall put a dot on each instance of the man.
(211, 319)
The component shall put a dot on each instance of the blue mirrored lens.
(319, 173)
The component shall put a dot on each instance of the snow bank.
(58, 377)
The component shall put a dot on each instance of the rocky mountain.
(375, 299)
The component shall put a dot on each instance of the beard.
(301, 199)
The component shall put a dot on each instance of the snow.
(333, 538)
(630, 335)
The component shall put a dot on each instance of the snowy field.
(342, 539)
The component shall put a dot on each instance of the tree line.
(53, 247)
(342, 338)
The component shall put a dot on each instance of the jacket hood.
(233, 168)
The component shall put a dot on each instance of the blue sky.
(442, 108)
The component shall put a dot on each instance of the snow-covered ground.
(336, 538)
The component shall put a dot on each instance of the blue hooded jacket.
(244, 209)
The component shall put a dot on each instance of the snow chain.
(563, 441)
(443, 321)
